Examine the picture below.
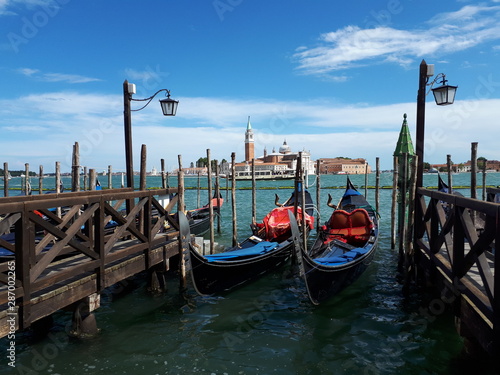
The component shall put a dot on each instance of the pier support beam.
(84, 322)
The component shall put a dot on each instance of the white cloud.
(41, 129)
(55, 77)
(353, 46)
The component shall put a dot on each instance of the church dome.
(285, 149)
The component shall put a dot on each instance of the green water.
(268, 327)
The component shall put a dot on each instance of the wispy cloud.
(56, 77)
(353, 46)
(54, 121)
(7, 6)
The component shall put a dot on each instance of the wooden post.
(75, 168)
(217, 194)
(144, 153)
(409, 266)
(85, 179)
(92, 179)
(449, 165)
(27, 185)
(395, 178)
(254, 194)
(40, 180)
(180, 203)
(110, 177)
(303, 204)
(404, 199)
(233, 196)
(484, 180)
(318, 190)
(210, 202)
(473, 172)
(198, 191)
(58, 186)
(377, 185)
(366, 179)
(163, 175)
(5, 179)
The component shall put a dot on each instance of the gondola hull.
(217, 277)
(343, 249)
(255, 256)
(324, 282)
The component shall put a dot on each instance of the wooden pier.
(457, 247)
(62, 261)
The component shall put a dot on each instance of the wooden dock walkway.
(61, 261)
(457, 246)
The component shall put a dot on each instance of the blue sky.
(331, 79)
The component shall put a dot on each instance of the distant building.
(276, 165)
(343, 166)
(249, 142)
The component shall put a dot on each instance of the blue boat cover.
(342, 259)
(258, 249)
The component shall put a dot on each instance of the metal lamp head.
(169, 106)
(444, 94)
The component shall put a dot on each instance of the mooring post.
(86, 184)
(144, 155)
(395, 176)
(449, 165)
(5, 179)
(180, 204)
(484, 180)
(403, 205)
(40, 180)
(377, 184)
(366, 179)
(58, 186)
(75, 168)
(210, 201)
(233, 198)
(318, 192)
(110, 177)
(473, 172)
(163, 176)
(409, 267)
(92, 179)
(254, 194)
(27, 186)
(217, 194)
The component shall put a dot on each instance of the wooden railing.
(63, 238)
(461, 238)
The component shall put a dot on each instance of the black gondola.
(199, 218)
(217, 273)
(343, 249)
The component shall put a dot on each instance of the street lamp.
(443, 95)
(168, 106)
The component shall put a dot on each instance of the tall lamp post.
(443, 95)
(168, 106)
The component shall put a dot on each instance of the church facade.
(275, 165)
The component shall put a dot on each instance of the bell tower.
(249, 143)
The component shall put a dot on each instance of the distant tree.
(191, 165)
(481, 162)
(427, 165)
(202, 162)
